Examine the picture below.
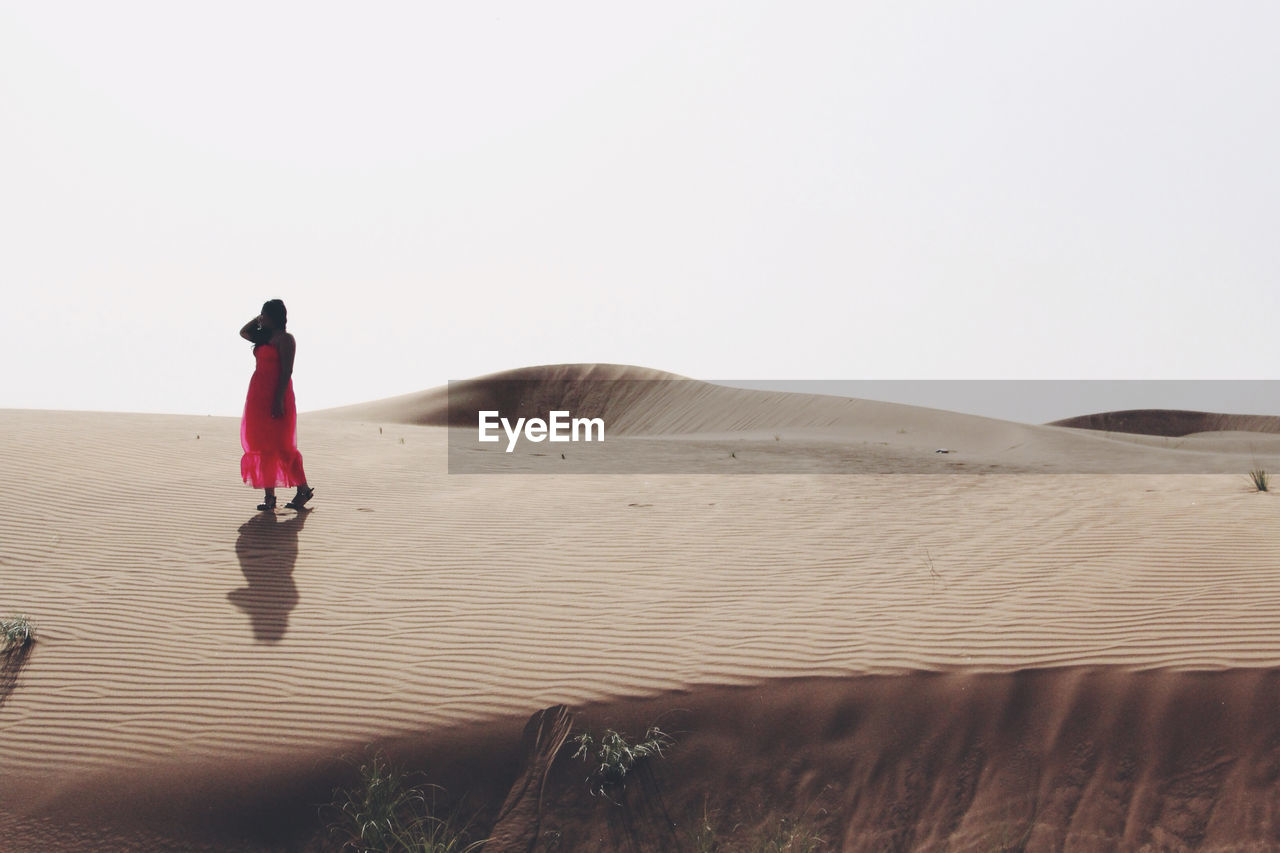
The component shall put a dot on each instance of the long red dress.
(271, 456)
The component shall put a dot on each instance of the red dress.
(271, 456)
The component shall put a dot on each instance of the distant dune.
(640, 402)
(1171, 422)
(645, 401)
(943, 661)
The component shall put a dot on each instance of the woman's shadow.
(268, 548)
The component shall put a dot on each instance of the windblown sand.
(833, 633)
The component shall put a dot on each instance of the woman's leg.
(299, 476)
(300, 499)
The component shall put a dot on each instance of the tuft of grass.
(448, 834)
(1261, 480)
(791, 833)
(791, 836)
(384, 812)
(613, 757)
(15, 632)
(378, 812)
(706, 837)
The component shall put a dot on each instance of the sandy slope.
(194, 652)
(843, 435)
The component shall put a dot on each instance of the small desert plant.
(706, 836)
(1260, 479)
(790, 836)
(378, 813)
(614, 757)
(15, 632)
(384, 813)
(435, 834)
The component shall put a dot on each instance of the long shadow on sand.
(268, 549)
(11, 662)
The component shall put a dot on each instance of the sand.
(945, 659)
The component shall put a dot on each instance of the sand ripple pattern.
(175, 625)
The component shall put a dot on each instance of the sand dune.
(844, 435)
(201, 667)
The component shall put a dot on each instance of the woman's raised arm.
(252, 331)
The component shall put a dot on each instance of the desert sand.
(989, 650)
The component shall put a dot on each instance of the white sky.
(841, 190)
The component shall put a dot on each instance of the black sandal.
(268, 503)
(300, 500)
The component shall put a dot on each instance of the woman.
(269, 428)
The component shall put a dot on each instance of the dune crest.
(520, 392)
(640, 401)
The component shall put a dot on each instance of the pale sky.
(843, 190)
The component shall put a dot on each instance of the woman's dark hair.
(274, 309)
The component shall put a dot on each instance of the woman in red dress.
(269, 428)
